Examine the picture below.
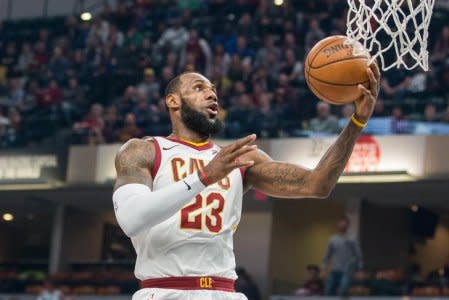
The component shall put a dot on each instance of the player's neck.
(189, 136)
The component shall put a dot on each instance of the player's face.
(199, 105)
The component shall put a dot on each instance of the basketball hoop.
(394, 31)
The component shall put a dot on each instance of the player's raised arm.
(280, 179)
(137, 207)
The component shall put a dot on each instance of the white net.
(395, 32)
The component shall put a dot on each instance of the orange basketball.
(333, 72)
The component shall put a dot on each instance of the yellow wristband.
(357, 122)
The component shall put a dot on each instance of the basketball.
(333, 73)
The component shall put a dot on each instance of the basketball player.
(179, 197)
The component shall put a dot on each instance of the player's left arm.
(286, 180)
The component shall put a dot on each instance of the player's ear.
(173, 101)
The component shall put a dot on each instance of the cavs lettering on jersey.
(198, 239)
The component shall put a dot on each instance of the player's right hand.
(364, 106)
(228, 158)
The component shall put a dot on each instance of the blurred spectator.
(40, 54)
(237, 119)
(440, 276)
(99, 29)
(324, 122)
(221, 59)
(314, 34)
(398, 122)
(199, 49)
(268, 49)
(129, 129)
(174, 37)
(246, 285)
(50, 292)
(314, 285)
(142, 110)
(443, 82)
(73, 100)
(59, 65)
(4, 126)
(26, 58)
(290, 43)
(9, 58)
(149, 83)
(247, 74)
(15, 94)
(243, 50)
(264, 118)
(74, 94)
(246, 26)
(133, 37)
(430, 113)
(50, 96)
(111, 124)
(395, 82)
(14, 135)
(292, 68)
(379, 109)
(90, 130)
(283, 106)
(172, 61)
(346, 114)
(235, 72)
(345, 255)
(122, 17)
(418, 82)
(73, 32)
(32, 94)
(116, 38)
(79, 68)
(44, 38)
(167, 75)
(441, 49)
(261, 77)
(445, 116)
(128, 101)
(413, 278)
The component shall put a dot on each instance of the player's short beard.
(198, 122)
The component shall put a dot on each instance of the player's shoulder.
(134, 144)
(143, 147)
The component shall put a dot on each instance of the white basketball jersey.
(198, 239)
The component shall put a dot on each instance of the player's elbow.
(127, 228)
(321, 194)
(128, 225)
(320, 191)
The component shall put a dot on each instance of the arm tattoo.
(133, 164)
(334, 160)
(287, 180)
(279, 179)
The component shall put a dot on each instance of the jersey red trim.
(243, 172)
(157, 158)
(199, 148)
(190, 283)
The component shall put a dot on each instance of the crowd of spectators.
(103, 80)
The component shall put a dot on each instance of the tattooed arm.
(281, 179)
(134, 162)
